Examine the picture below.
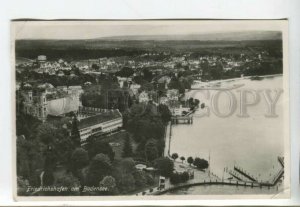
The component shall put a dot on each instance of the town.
(103, 122)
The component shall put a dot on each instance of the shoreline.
(240, 78)
(191, 92)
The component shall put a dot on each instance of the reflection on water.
(253, 143)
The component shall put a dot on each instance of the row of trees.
(198, 162)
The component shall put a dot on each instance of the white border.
(141, 9)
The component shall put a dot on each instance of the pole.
(209, 164)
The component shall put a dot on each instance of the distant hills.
(135, 45)
(233, 36)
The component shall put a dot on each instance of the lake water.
(253, 143)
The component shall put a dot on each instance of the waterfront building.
(179, 111)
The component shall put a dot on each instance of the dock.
(182, 119)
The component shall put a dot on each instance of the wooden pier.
(182, 119)
(244, 173)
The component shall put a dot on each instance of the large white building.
(99, 123)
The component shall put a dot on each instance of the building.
(61, 73)
(51, 101)
(62, 106)
(144, 97)
(35, 104)
(173, 94)
(179, 111)
(163, 100)
(102, 122)
(135, 88)
(41, 58)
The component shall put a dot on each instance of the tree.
(109, 183)
(142, 121)
(127, 165)
(95, 66)
(182, 158)
(160, 146)
(190, 160)
(125, 72)
(95, 146)
(191, 102)
(179, 177)
(63, 149)
(79, 159)
(140, 178)
(151, 151)
(70, 182)
(147, 87)
(202, 106)
(174, 156)
(200, 163)
(165, 166)
(126, 183)
(75, 135)
(50, 160)
(47, 133)
(175, 178)
(29, 157)
(165, 113)
(197, 102)
(147, 75)
(99, 167)
(127, 150)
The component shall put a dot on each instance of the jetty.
(182, 119)
(244, 173)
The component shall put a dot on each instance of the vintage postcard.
(164, 109)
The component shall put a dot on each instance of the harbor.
(229, 142)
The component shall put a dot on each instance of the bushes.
(164, 166)
(201, 163)
(179, 177)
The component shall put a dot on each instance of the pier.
(217, 182)
(182, 119)
(245, 174)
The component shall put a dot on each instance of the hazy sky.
(98, 29)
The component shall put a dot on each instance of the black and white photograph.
(150, 109)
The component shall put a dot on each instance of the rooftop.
(99, 118)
